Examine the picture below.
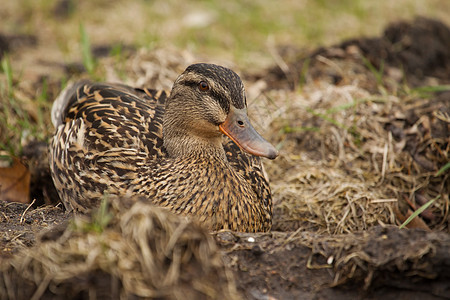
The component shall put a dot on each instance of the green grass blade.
(443, 169)
(6, 68)
(418, 211)
(304, 72)
(88, 59)
(432, 89)
(377, 73)
(326, 118)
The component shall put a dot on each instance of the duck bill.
(238, 128)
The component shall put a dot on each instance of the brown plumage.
(114, 139)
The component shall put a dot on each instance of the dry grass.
(129, 250)
(330, 179)
(349, 173)
(340, 169)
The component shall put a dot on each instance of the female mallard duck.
(114, 139)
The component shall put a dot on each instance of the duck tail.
(64, 101)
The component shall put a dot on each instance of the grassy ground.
(360, 146)
(243, 32)
(49, 42)
(238, 30)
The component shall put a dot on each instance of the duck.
(193, 150)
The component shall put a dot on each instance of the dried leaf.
(415, 223)
(427, 213)
(14, 180)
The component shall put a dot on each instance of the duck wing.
(104, 133)
(115, 115)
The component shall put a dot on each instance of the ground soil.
(389, 263)
(297, 260)
(21, 223)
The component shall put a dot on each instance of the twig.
(25, 211)
(383, 200)
(385, 154)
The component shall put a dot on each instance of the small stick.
(25, 211)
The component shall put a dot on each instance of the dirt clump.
(381, 262)
(130, 250)
(416, 52)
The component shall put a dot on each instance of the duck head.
(206, 102)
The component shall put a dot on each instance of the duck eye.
(203, 86)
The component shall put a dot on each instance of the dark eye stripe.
(223, 101)
(190, 83)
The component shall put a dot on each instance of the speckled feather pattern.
(110, 141)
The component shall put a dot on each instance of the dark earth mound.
(420, 49)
